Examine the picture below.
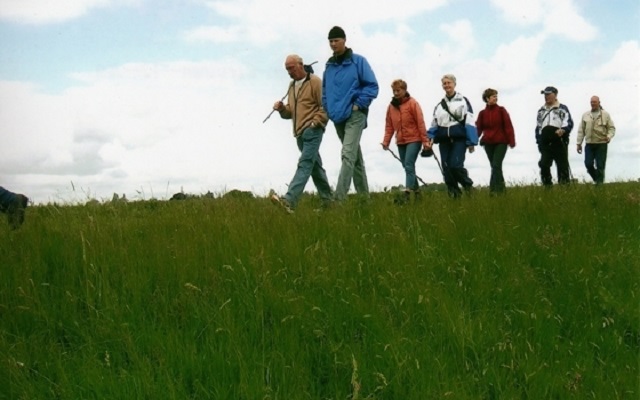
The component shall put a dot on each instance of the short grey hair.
(294, 57)
(450, 77)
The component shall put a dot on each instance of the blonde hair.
(399, 83)
(450, 77)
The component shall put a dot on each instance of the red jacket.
(494, 126)
(406, 121)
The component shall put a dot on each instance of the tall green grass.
(532, 295)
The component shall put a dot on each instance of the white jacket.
(596, 130)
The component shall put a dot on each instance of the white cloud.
(624, 65)
(557, 17)
(265, 21)
(215, 34)
(146, 124)
(512, 66)
(44, 12)
(563, 19)
(462, 39)
(520, 12)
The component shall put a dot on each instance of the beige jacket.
(596, 130)
(305, 105)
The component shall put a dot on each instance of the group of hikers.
(344, 96)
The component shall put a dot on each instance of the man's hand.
(278, 105)
(355, 107)
(579, 149)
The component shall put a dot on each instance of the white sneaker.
(275, 199)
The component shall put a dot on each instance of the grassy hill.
(532, 295)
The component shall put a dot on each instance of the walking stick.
(398, 158)
(568, 163)
(438, 161)
(281, 100)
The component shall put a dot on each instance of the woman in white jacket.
(453, 129)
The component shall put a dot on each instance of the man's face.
(550, 98)
(338, 45)
(295, 69)
(595, 103)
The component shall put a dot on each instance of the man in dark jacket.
(13, 204)
(554, 124)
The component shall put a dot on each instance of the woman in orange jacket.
(406, 121)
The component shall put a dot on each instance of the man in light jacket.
(596, 129)
(304, 108)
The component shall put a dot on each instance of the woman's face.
(449, 86)
(492, 100)
(398, 92)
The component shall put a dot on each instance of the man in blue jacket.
(348, 88)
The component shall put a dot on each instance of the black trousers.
(556, 151)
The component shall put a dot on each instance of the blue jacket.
(346, 83)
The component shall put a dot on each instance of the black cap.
(337, 32)
(549, 89)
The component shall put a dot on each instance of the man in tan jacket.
(596, 129)
(304, 108)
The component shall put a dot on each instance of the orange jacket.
(406, 121)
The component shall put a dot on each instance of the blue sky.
(150, 98)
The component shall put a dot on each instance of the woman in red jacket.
(496, 133)
(406, 121)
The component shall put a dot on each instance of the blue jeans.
(309, 165)
(408, 155)
(6, 198)
(452, 153)
(352, 167)
(496, 154)
(595, 159)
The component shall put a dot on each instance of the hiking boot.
(402, 199)
(15, 211)
(326, 205)
(277, 200)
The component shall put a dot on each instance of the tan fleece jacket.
(305, 106)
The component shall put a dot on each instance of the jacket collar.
(348, 53)
(554, 105)
(396, 103)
